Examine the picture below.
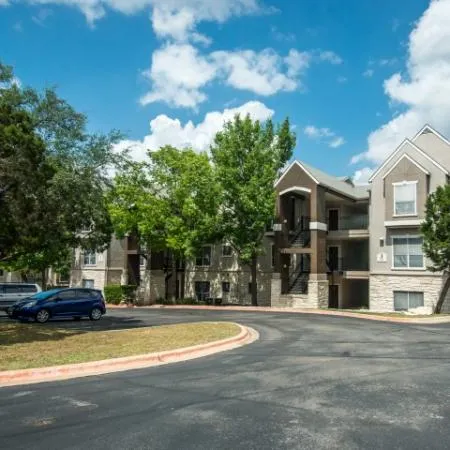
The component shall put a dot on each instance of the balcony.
(349, 267)
(354, 226)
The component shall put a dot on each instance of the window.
(225, 287)
(404, 301)
(28, 289)
(227, 250)
(405, 198)
(11, 289)
(88, 284)
(250, 287)
(90, 258)
(204, 257)
(407, 252)
(66, 295)
(202, 290)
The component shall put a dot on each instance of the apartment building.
(332, 244)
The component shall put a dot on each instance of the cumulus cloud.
(331, 57)
(324, 135)
(180, 72)
(368, 73)
(176, 19)
(423, 92)
(362, 176)
(165, 130)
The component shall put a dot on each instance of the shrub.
(116, 293)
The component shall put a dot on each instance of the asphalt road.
(310, 382)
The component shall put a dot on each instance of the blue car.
(56, 303)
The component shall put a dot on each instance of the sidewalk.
(407, 318)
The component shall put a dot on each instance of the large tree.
(170, 203)
(436, 234)
(248, 157)
(73, 199)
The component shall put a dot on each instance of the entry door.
(333, 258)
(333, 219)
(333, 296)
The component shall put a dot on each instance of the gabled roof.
(397, 150)
(429, 129)
(406, 156)
(332, 183)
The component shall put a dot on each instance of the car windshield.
(43, 295)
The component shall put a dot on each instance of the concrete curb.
(265, 309)
(57, 373)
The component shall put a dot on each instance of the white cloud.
(337, 142)
(362, 176)
(342, 79)
(330, 57)
(42, 15)
(177, 73)
(165, 130)
(424, 91)
(324, 135)
(176, 19)
(280, 36)
(368, 73)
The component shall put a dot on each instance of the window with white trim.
(89, 258)
(227, 250)
(405, 300)
(405, 198)
(204, 256)
(407, 252)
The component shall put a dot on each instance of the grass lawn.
(24, 346)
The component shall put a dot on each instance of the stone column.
(275, 289)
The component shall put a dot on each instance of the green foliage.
(171, 203)
(436, 229)
(65, 193)
(116, 294)
(248, 157)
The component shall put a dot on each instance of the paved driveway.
(311, 382)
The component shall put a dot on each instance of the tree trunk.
(254, 287)
(44, 279)
(442, 294)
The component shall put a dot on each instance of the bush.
(115, 293)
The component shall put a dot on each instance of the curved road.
(310, 382)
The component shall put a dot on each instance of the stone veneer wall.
(382, 289)
(98, 275)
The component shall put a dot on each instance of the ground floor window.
(202, 289)
(88, 284)
(225, 287)
(404, 300)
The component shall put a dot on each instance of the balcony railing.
(353, 222)
(346, 264)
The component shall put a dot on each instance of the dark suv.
(71, 302)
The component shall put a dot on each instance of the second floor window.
(204, 256)
(227, 250)
(90, 258)
(405, 198)
(407, 252)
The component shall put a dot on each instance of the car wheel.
(95, 314)
(42, 316)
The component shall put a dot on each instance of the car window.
(28, 289)
(12, 289)
(66, 295)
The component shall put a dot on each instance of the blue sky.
(126, 63)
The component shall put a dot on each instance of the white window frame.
(403, 183)
(405, 236)
(89, 263)
(227, 256)
(408, 293)
(210, 257)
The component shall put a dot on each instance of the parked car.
(72, 302)
(10, 293)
